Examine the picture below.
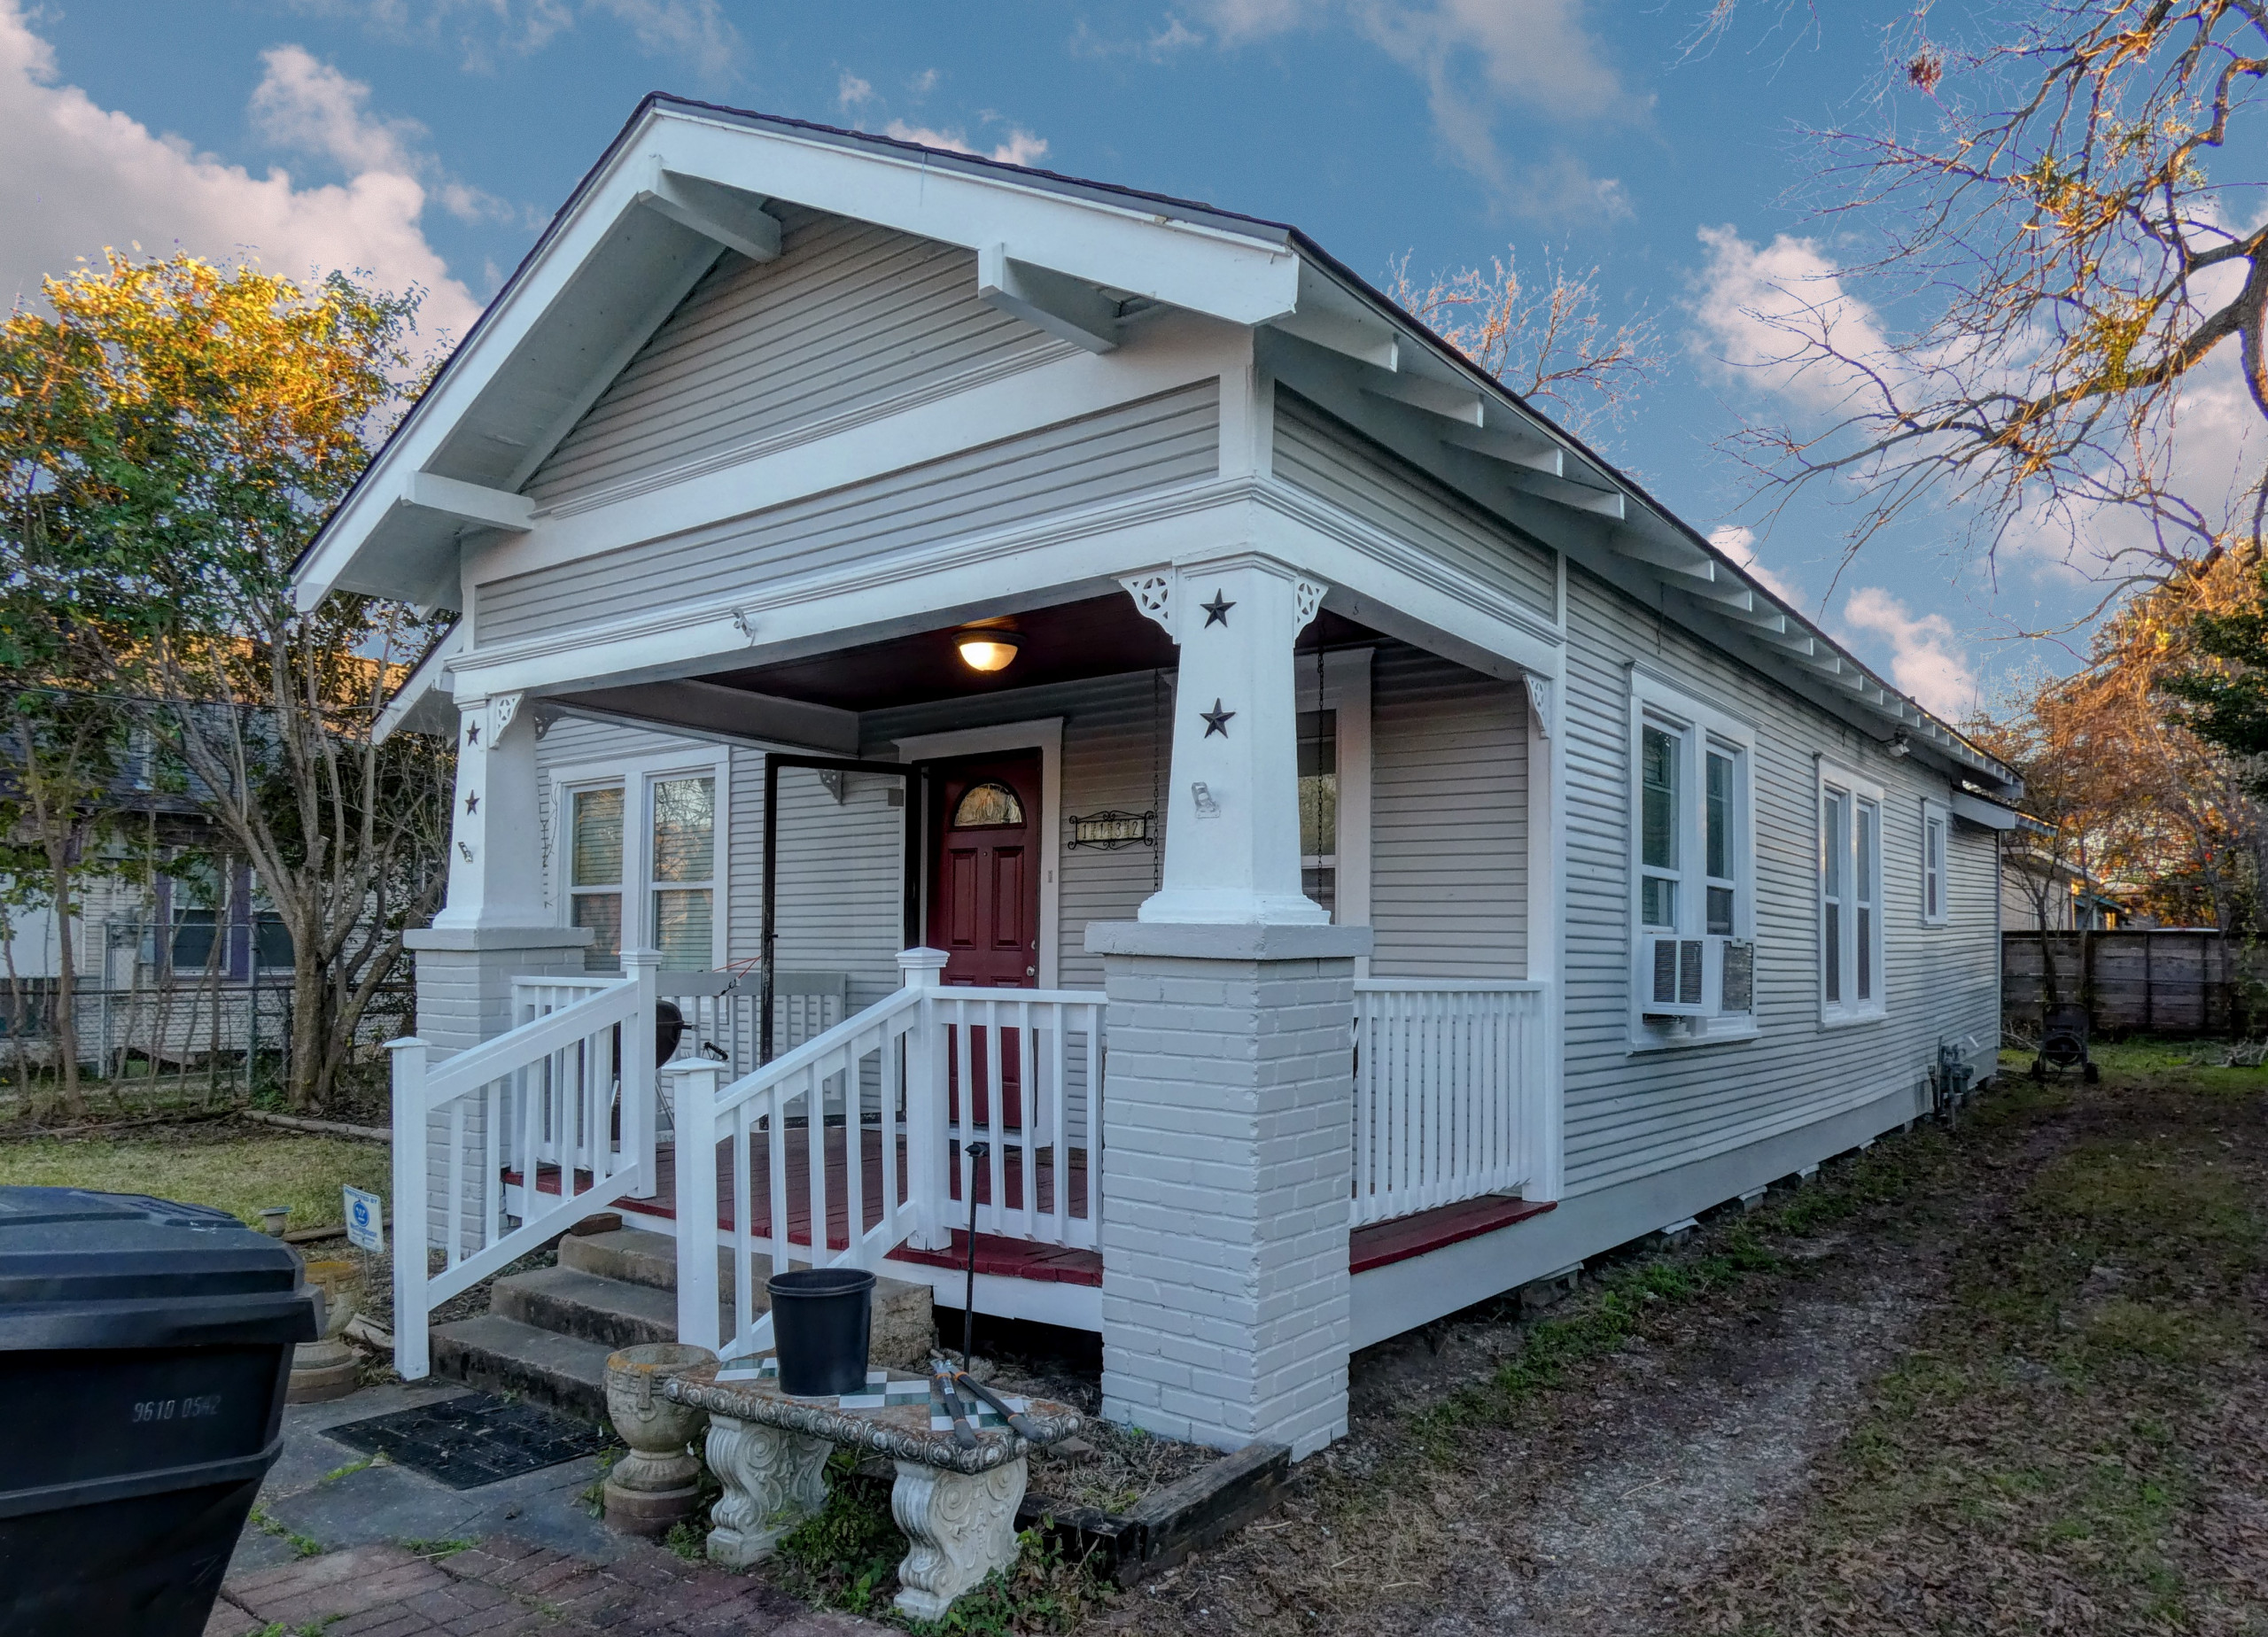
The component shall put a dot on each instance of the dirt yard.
(2011, 1379)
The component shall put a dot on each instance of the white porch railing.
(1448, 1081)
(722, 1010)
(502, 1146)
(838, 1151)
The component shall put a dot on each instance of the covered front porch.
(1321, 911)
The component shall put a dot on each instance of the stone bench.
(957, 1505)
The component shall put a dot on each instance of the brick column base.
(1228, 1156)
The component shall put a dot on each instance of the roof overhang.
(682, 183)
(685, 181)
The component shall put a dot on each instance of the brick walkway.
(503, 1587)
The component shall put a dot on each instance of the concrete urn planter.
(658, 1484)
(327, 1368)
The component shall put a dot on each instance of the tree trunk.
(308, 1084)
(66, 973)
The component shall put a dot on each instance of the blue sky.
(429, 140)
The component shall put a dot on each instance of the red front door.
(984, 892)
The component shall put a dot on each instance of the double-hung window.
(1851, 986)
(1936, 822)
(640, 864)
(1693, 913)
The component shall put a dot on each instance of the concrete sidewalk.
(363, 1548)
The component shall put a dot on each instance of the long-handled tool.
(1013, 1418)
(942, 1397)
(977, 1151)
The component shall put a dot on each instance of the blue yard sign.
(365, 1220)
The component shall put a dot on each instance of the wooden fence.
(2145, 981)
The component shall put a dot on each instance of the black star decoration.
(1216, 720)
(472, 734)
(473, 801)
(1216, 611)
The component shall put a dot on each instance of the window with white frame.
(1693, 913)
(1935, 821)
(1850, 897)
(641, 865)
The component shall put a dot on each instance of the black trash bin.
(144, 1350)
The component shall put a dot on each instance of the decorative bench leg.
(962, 1529)
(772, 1481)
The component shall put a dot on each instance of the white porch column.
(493, 925)
(1233, 813)
(1228, 1111)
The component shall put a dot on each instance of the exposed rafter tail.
(1067, 308)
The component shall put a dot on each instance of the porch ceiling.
(1070, 642)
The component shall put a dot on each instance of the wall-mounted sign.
(1115, 829)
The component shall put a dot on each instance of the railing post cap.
(399, 1041)
(632, 959)
(683, 1068)
(922, 967)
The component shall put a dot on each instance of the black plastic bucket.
(822, 1319)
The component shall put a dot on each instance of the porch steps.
(547, 1333)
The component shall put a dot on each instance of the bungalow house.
(1284, 837)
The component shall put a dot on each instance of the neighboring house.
(2041, 893)
(1178, 670)
(165, 969)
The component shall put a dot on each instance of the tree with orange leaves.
(169, 439)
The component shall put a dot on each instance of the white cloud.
(81, 178)
(921, 84)
(1739, 544)
(851, 91)
(1925, 655)
(1021, 148)
(696, 32)
(308, 105)
(1748, 297)
(1477, 57)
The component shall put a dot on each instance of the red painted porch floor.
(1376, 1244)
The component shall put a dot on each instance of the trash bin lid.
(84, 1269)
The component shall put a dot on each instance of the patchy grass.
(305, 1546)
(846, 1557)
(217, 1165)
(2073, 1443)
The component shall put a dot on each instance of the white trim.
(1841, 777)
(1673, 703)
(1347, 690)
(638, 772)
(1935, 812)
(1044, 735)
(1068, 554)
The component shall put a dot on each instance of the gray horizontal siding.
(1449, 819)
(1130, 449)
(852, 319)
(1322, 454)
(838, 898)
(1631, 1114)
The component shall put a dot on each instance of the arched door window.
(986, 805)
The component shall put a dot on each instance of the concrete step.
(612, 1312)
(637, 1257)
(561, 1372)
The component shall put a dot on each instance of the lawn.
(2004, 1376)
(215, 1164)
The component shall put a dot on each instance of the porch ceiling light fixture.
(987, 648)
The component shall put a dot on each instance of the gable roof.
(604, 275)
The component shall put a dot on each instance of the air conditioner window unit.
(1674, 970)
